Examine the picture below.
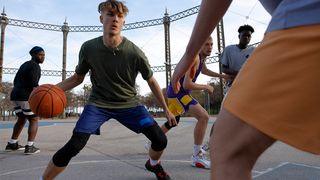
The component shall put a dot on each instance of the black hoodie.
(26, 79)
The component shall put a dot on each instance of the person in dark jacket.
(26, 79)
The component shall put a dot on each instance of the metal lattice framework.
(34, 25)
(185, 13)
(43, 72)
(130, 26)
(210, 60)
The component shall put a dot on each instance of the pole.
(166, 22)
(65, 30)
(3, 23)
(221, 45)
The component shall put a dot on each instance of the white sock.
(41, 178)
(196, 149)
(29, 143)
(13, 141)
(153, 162)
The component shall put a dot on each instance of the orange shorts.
(278, 89)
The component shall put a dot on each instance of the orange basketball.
(47, 100)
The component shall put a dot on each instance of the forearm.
(212, 74)
(71, 82)
(33, 77)
(195, 86)
(211, 12)
(156, 90)
(33, 84)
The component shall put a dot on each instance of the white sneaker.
(205, 149)
(200, 161)
(147, 145)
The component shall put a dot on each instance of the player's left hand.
(171, 118)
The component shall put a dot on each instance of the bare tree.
(6, 107)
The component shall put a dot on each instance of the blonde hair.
(115, 6)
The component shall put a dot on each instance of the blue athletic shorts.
(92, 118)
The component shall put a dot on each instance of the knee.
(159, 143)
(204, 117)
(77, 142)
(168, 126)
(156, 136)
(33, 119)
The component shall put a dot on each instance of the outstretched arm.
(155, 88)
(71, 82)
(210, 73)
(211, 11)
(190, 85)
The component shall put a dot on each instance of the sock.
(196, 149)
(13, 141)
(41, 178)
(153, 162)
(29, 143)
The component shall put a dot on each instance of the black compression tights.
(156, 136)
(77, 142)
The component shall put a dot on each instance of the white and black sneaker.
(31, 150)
(14, 147)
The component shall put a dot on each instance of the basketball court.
(119, 154)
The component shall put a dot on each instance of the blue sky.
(18, 40)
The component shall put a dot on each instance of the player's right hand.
(171, 118)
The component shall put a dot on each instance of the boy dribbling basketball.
(114, 63)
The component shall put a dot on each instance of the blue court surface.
(119, 154)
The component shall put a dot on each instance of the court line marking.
(281, 165)
(260, 173)
(48, 123)
(21, 170)
(308, 166)
(85, 162)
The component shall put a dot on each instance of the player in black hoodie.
(26, 79)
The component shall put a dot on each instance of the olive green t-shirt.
(113, 72)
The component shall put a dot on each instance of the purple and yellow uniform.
(179, 103)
